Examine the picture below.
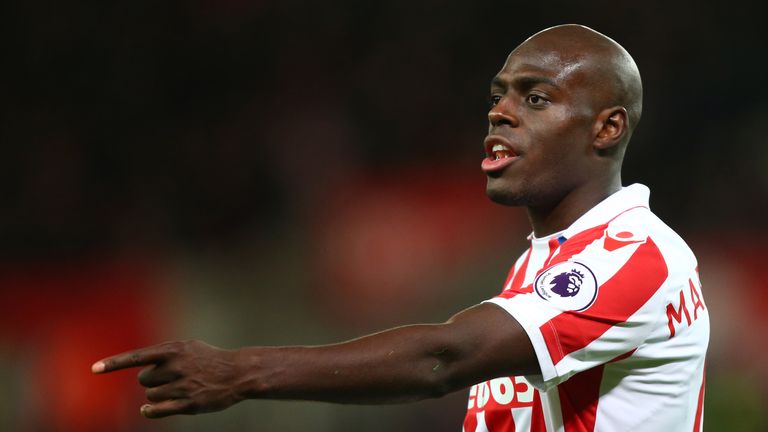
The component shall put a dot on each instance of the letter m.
(677, 315)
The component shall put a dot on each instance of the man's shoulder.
(642, 225)
(645, 222)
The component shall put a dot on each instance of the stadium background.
(300, 172)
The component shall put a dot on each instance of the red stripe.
(700, 404)
(537, 416)
(499, 420)
(578, 243)
(617, 299)
(553, 245)
(518, 279)
(470, 421)
(510, 275)
(579, 397)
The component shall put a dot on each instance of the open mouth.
(499, 154)
(500, 151)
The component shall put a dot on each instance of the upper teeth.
(499, 147)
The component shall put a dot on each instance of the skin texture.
(566, 102)
(398, 365)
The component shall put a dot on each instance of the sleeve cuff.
(549, 377)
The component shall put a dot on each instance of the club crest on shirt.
(569, 285)
(616, 237)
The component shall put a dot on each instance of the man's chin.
(504, 195)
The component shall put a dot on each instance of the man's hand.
(402, 364)
(187, 377)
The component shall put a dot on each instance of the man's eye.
(494, 100)
(535, 99)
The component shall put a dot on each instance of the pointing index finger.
(140, 357)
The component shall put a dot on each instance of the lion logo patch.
(569, 285)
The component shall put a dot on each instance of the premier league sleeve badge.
(568, 285)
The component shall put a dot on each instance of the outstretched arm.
(401, 364)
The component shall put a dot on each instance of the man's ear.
(610, 128)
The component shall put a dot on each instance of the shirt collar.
(636, 195)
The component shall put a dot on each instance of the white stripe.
(553, 416)
(522, 418)
(539, 256)
(481, 426)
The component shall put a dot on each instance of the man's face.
(540, 126)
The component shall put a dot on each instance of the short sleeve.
(590, 303)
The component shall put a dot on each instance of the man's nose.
(502, 113)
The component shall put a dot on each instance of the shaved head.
(608, 66)
(563, 108)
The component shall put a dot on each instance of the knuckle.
(177, 346)
(134, 358)
(192, 344)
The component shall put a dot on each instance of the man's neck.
(546, 220)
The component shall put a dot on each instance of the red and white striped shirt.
(614, 310)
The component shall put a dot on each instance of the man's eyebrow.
(498, 82)
(522, 82)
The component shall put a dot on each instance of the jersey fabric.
(614, 311)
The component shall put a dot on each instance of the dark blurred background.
(300, 172)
